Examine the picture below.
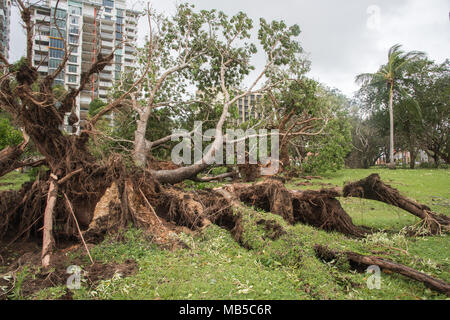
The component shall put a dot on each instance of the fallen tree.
(359, 261)
(105, 195)
(374, 189)
(320, 209)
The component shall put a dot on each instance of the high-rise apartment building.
(249, 107)
(89, 27)
(5, 18)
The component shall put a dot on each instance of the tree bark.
(284, 155)
(366, 261)
(412, 160)
(140, 142)
(391, 127)
(47, 238)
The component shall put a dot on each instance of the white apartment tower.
(249, 107)
(89, 27)
(5, 19)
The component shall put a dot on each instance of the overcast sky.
(343, 37)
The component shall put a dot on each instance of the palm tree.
(390, 73)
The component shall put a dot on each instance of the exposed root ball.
(180, 208)
(220, 211)
(270, 195)
(249, 172)
(21, 211)
(373, 188)
(322, 210)
(317, 208)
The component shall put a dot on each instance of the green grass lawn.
(216, 267)
(430, 187)
(13, 180)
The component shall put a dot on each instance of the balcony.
(107, 45)
(105, 76)
(107, 36)
(85, 101)
(107, 28)
(130, 50)
(104, 84)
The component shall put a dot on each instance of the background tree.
(388, 75)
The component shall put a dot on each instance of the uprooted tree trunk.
(320, 209)
(374, 189)
(358, 261)
(47, 240)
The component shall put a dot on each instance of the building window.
(56, 43)
(53, 63)
(72, 68)
(56, 53)
(108, 10)
(73, 59)
(108, 17)
(118, 59)
(74, 19)
(74, 30)
(108, 3)
(73, 39)
(60, 13)
(75, 10)
(61, 24)
(72, 78)
(57, 34)
(59, 76)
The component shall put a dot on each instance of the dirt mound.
(274, 229)
(29, 257)
(321, 209)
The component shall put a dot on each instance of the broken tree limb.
(374, 189)
(326, 254)
(9, 158)
(70, 175)
(69, 206)
(214, 178)
(47, 238)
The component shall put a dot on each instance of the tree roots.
(373, 188)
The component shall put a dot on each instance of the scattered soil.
(27, 254)
(275, 230)
(249, 172)
(155, 164)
